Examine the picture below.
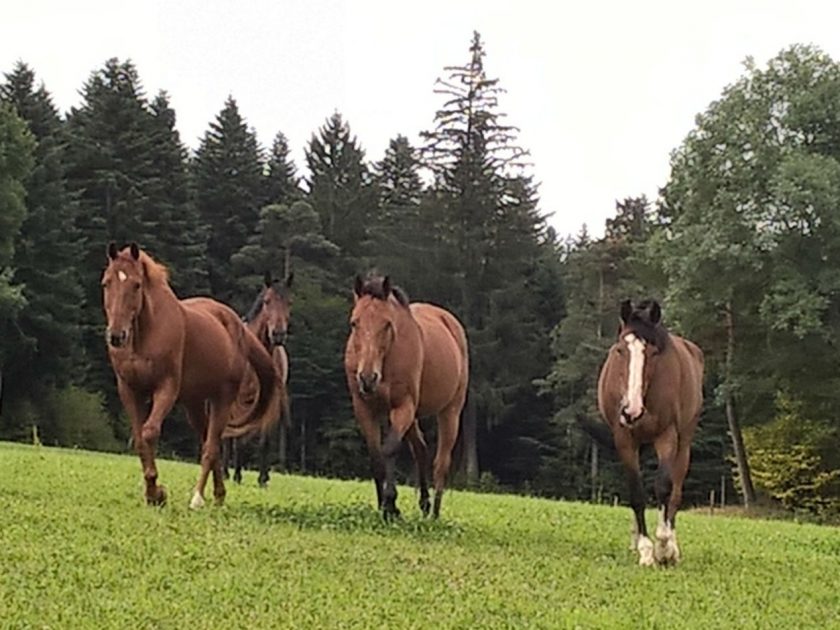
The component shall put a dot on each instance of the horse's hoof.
(665, 550)
(391, 513)
(197, 501)
(158, 499)
(425, 506)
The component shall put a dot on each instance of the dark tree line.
(739, 248)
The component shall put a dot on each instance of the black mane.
(374, 287)
(644, 324)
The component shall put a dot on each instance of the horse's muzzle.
(368, 382)
(629, 420)
(116, 339)
(278, 337)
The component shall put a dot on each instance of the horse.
(403, 361)
(195, 351)
(650, 390)
(268, 319)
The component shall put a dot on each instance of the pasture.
(79, 548)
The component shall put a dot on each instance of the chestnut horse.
(195, 351)
(405, 361)
(651, 391)
(268, 319)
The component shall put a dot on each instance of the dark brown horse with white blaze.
(194, 351)
(651, 391)
(405, 361)
(268, 318)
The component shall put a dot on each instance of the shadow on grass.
(356, 517)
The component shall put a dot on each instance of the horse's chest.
(137, 371)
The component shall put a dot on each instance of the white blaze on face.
(633, 398)
(121, 275)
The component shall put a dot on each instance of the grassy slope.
(78, 548)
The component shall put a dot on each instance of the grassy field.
(79, 549)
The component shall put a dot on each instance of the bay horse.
(650, 390)
(402, 362)
(268, 318)
(193, 351)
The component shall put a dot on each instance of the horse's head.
(372, 328)
(272, 309)
(641, 339)
(122, 293)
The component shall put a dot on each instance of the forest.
(741, 248)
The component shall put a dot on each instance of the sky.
(602, 92)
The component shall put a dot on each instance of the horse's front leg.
(673, 467)
(136, 408)
(371, 434)
(401, 419)
(628, 451)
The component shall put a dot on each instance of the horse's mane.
(639, 323)
(156, 272)
(373, 286)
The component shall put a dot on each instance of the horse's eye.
(353, 324)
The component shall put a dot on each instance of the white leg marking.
(645, 548)
(666, 549)
(197, 501)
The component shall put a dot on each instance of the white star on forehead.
(121, 275)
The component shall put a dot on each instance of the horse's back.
(212, 344)
(445, 357)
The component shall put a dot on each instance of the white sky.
(602, 91)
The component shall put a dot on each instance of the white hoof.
(197, 501)
(666, 549)
(645, 549)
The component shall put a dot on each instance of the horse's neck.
(406, 328)
(159, 304)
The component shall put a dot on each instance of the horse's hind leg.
(447, 434)
(264, 448)
(211, 452)
(237, 459)
(421, 458)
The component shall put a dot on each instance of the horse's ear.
(626, 310)
(655, 313)
(267, 279)
(386, 287)
(357, 286)
(289, 279)
(135, 251)
(112, 250)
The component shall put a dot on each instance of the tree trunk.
(593, 472)
(747, 489)
(469, 431)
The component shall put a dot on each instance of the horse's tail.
(598, 431)
(265, 412)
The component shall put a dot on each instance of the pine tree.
(47, 250)
(340, 187)
(492, 225)
(282, 180)
(230, 191)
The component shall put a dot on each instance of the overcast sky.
(602, 91)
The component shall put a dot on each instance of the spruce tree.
(230, 190)
(282, 179)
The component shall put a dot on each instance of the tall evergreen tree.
(340, 187)
(494, 236)
(47, 250)
(282, 180)
(16, 148)
(230, 190)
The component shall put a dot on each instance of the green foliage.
(795, 461)
(313, 553)
(230, 190)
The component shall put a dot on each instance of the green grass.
(78, 548)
